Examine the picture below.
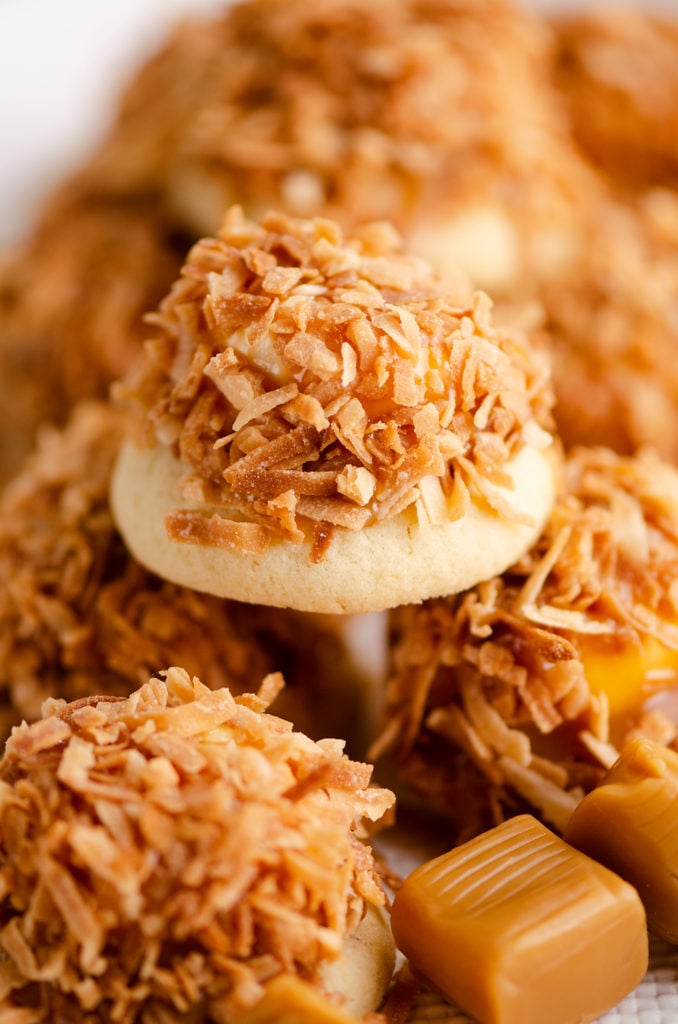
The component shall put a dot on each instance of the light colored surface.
(654, 1001)
(61, 64)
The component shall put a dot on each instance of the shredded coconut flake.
(76, 606)
(72, 297)
(234, 854)
(492, 683)
(346, 387)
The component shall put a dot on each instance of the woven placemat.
(654, 1001)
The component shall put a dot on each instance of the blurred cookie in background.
(611, 326)
(439, 117)
(72, 297)
(617, 69)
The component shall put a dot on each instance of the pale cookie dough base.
(363, 971)
(391, 563)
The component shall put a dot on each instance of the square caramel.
(630, 823)
(517, 927)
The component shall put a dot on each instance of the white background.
(61, 62)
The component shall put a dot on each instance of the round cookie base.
(393, 562)
(362, 972)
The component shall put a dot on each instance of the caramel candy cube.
(289, 1000)
(519, 928)
(630, 823)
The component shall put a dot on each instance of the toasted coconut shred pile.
(612, 327)
(343, 109)
(308, 382)
(171, 852)
(71, 302)
(376, 85)
(618, 72)
(75, 606)
(490, 686)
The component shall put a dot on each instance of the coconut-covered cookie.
(521, 691)
(617, 70)
(439, 117)
(72, 297)
(166, 855)
(329, 426)
(611, 326)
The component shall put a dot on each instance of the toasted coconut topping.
(618, 71)
(310, 382)
(375, 86)
(494, 681)
(172, 851)
(612, 327)
(75, 606)
(343, 110)
(71, 302)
